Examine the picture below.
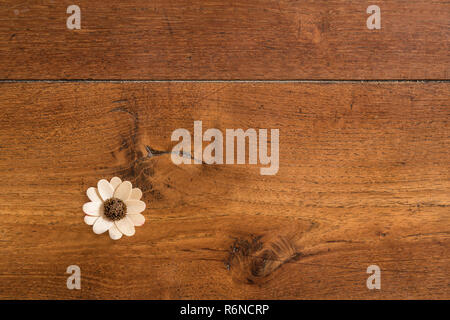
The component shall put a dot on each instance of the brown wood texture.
(216, 39)
(364, 179)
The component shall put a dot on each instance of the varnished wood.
(363, 179)
(217, 39)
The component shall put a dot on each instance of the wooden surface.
(364, 172)
(364, 179)
(217, 39)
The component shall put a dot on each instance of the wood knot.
(252, 260)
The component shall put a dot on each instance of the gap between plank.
(224, 81)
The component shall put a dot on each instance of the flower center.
(115, 209)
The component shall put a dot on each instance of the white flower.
(115, 207)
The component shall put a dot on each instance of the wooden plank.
(216, 39)
(363, 179)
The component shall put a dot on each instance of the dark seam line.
(231, 81)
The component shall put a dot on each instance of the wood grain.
(216, 39)
(364, 179)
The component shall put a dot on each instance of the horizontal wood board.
(228, 40)
(363, 179)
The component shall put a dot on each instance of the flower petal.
(135, 206)
(93, 195)
(126, 226)
(123, 191)
(93, 208)
(136, 194)
(115, 233)
(137, 219)
(105, 189)
(115, 182)
(90, 220)
(102, 225)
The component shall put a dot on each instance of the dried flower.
(115, 207)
